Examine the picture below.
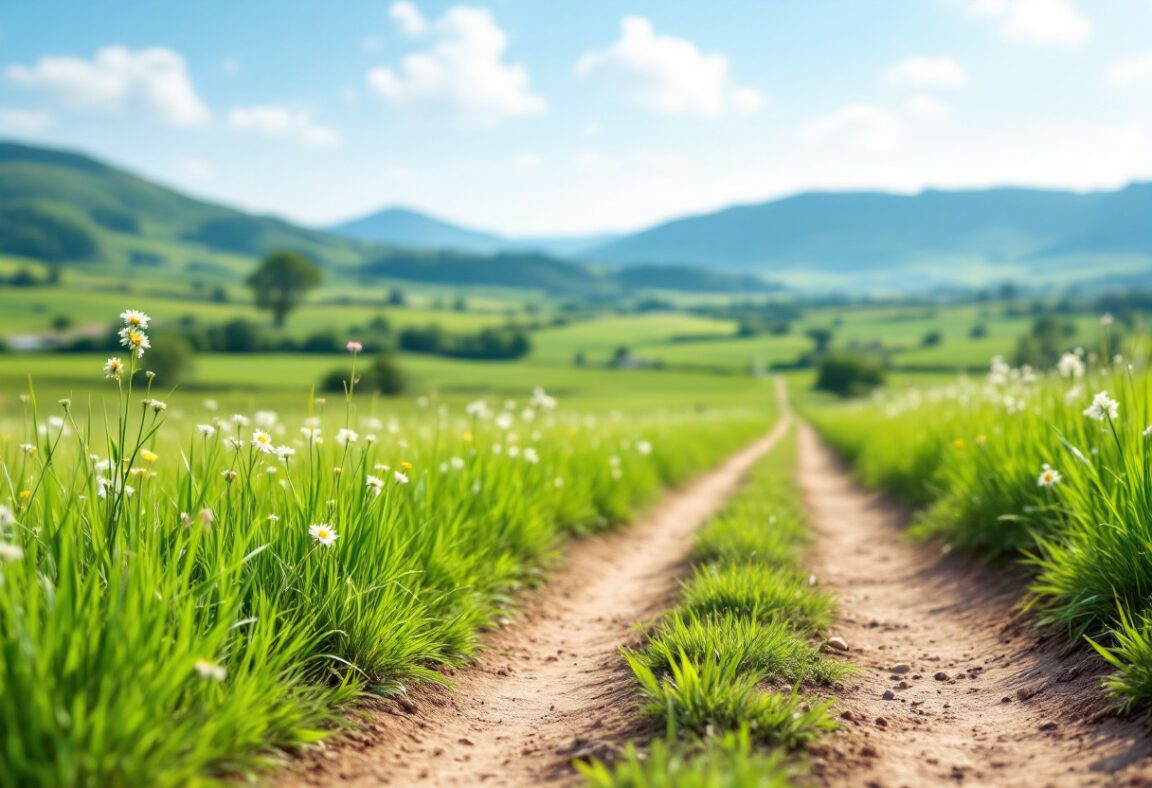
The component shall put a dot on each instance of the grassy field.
(300, 558)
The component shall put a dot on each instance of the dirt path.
(551, 685)
(953, 685)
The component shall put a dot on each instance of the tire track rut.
(551, 685)
(954, 685)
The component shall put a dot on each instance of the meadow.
(245, 576)
(254, 559)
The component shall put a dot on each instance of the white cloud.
(670, 75)
(1039, 21)
(409, 18)
(927, 107)
(463, 71)
(867, 127)
(154, 80)
(283, 122)
(936, 72)
(24, 119)
(1131, 72)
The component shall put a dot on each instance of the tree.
(822, 337)
(282, 281)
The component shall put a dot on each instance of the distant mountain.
(400, 226)
(931, 236)
(406, 227)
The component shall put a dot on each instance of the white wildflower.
(134, 318)
(375, 484)
(1049, 476)
(322, 533)
(208, 669)
(263, 442)
(1102, 407)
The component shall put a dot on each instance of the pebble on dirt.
(838, 643)
(940, 675)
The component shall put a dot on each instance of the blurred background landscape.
(496, 196)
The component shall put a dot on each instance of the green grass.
(724, 673)
(202, 599)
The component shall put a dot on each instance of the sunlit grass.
(184, 591)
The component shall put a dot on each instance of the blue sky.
(533, 117)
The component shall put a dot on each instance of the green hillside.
(65, 208)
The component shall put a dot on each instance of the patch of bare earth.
(953, 685)
(551, 685)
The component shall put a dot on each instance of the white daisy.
(263, 442)
(322, 533)
(1049, 477)
(134, 318)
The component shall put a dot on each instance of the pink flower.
(354, 346)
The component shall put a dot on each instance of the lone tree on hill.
(282, 281)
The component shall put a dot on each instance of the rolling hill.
(935, 234)
(63, 207)
(68, 209)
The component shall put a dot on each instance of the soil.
(551, 685)
(954, 684)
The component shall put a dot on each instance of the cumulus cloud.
(1131, 72)
(24, 119)
(463, 70)
(668, 74)
(1039, 21)
(867, 127)
(293, 124)
(931, 72)
(154, 80)
(409, 18)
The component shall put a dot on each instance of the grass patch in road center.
(724, 673)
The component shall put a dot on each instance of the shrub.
(383, 376)
(170, 360)
(849, 376)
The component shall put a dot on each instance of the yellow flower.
(25, 495)
(405, 467)
(148, 456)
(981, 440)
(958, 443)
(467, 437)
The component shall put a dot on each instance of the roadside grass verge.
(1050, 470)
(182, 596)
(723, 673)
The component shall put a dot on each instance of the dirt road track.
(954, 686)
(551, 685)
